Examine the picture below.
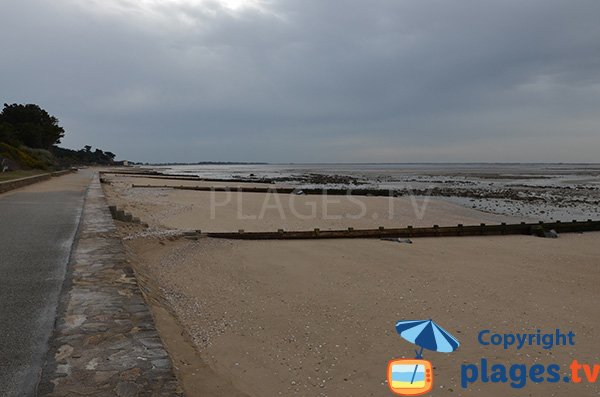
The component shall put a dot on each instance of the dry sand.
(316, 318)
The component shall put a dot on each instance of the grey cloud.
(311, 80)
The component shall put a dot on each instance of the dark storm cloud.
(312, 80)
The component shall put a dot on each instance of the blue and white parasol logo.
(427, 335)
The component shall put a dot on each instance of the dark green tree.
(30, 125)
(7, 135)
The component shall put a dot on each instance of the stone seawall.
(105, 342)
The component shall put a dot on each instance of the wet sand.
(316, 318)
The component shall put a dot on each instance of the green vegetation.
(29, 137)
(20, 156)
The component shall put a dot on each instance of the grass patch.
(6, 176)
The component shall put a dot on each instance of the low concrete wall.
(17, 183)
(63, 172)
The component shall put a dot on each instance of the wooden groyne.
(539, 229)
(282, 190)
(182, 177)
(198, 179)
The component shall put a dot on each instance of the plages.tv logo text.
(517, 375)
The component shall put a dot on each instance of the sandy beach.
(316, 318)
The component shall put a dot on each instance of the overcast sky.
(311, 80)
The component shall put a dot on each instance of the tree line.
(29, 137)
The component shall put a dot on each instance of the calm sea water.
(383, 175)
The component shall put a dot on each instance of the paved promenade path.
(105, 342)
(37, 227)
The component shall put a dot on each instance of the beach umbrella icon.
(427, 335)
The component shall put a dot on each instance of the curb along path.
(105, 342)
